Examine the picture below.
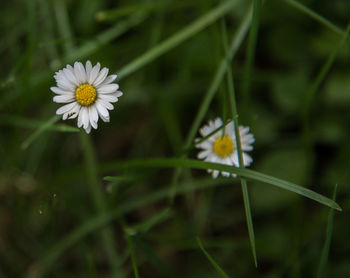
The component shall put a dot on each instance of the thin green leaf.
(160, 217)
(120, 179)
(234, 115)
(253, 35)
(114, 32)
(301, 7)
(43, 127)
(98, 199)
(325, 251)
(132, 255)
(211, 260)
(214, 85)
(63, 24)
(30, 123)
(42, 266)
(246, 173)
(323, 72)
(177, 38)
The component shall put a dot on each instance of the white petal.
(106, 104)
(80, 72)
(93, 115)
(108, 97)
(108, 89)
(243, 130)
(247, 159)
(65, 84)
(73, 113)
(88, 129)
(203, 154)
(80, 118)
(65, 108)
(109, 79)
(215, 174)
(218, 123)
(85, 116)
(88, 67)
(71, 77)
(102, 111)
(60, 91)
(101, 77)
(94, 73)
(63, 98)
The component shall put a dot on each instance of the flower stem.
(99, 203)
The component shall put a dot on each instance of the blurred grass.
(171, 64)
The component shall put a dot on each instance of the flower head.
(88, 93)
(220, 147)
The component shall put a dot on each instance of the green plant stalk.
(41, 267)
(234, 115)
(99, 203)
(114, 32)
(242, 172)
(63, 24)
(45, 126)
(211, 260)
(132, 255)
(325, 251)
(310, 94)
(302, 8)
(219, 75)
(253, 35)
(177, 38)
(214, 86)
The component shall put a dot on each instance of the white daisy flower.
(220, 147)
(88, 92)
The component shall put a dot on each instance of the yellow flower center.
(85, 94)
(223, 146)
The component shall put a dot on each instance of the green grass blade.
(211, 260)
(325, 251)
(177, 38)
(234, 115)
(253, 35)
(219, 75)
(132, 255)
(323, 72)
(43, 127)
(63, 24)
(242, 172)
(299, 6)
(120, 179)
(145, 226)
(114, 32)
(41, 267)
(30, 123)
(99, 203)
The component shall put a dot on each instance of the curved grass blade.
(250, 174)
(45, 126)
(40, 268)
(211, 260)
(323, 72)
(325, 251)
(253, 35)
(234, 115)
(132, 255)
(301, 7)
(97, 196)
(177, 38)
(30, 123)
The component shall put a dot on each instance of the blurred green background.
(49, 220)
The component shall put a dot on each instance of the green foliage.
(130, 199)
